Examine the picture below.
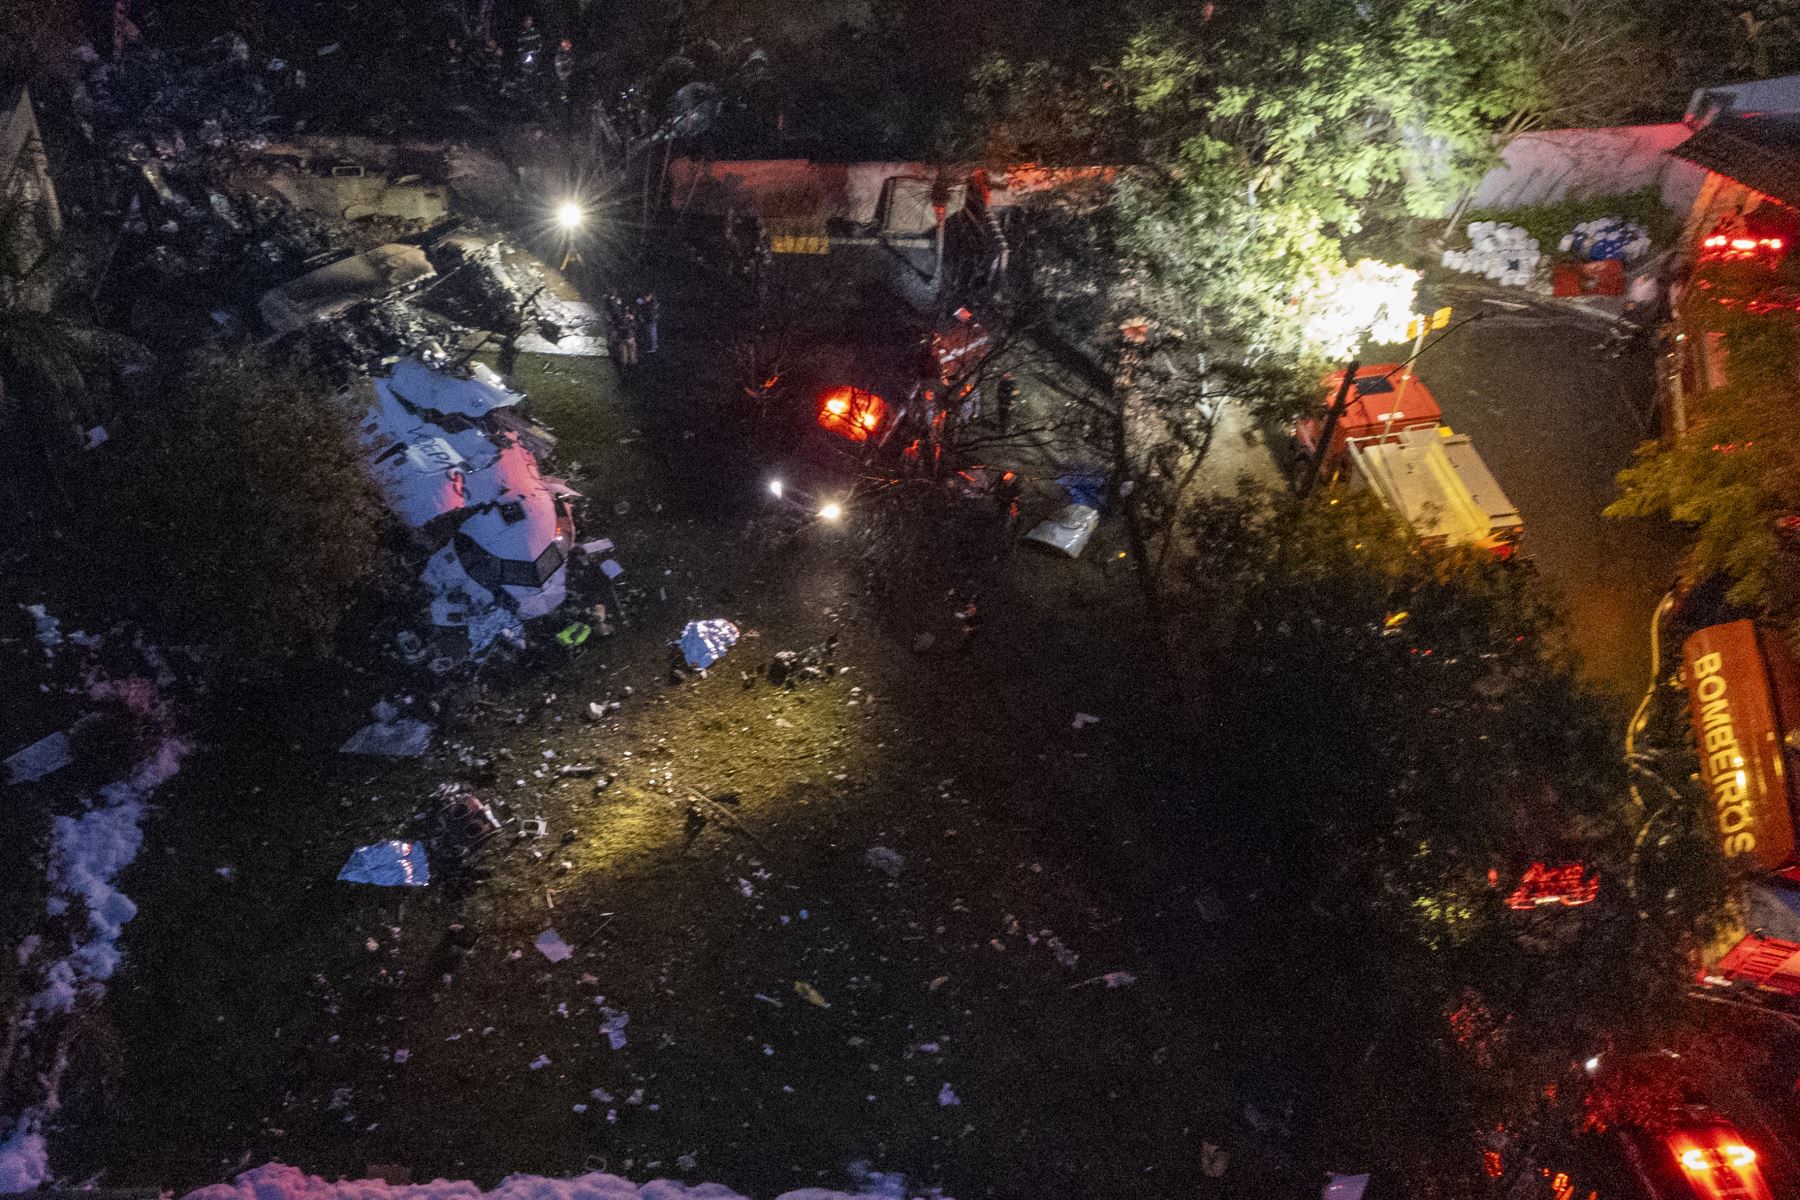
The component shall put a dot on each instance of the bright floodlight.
(775, 488)
(1592, 1065)
(568, 215)
(831, 512)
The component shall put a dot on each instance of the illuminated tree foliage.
(1733, 476)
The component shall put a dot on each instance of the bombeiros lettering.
(1722, 757)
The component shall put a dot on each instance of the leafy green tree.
(242, 513)
(1733, 476)
(1391, 737)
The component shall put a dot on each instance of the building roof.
(1759, 150)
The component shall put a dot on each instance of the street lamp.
(831, 512)
(569, 218)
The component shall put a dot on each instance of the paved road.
(1556, 419)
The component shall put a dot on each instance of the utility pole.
(1313, 469)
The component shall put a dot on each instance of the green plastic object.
(574, 635)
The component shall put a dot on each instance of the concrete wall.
(895, 194)
(1562, 164)
(786, 187)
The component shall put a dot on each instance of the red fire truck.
(944, 392)
(1392, 439)
(1385, 398)
(1743, 688)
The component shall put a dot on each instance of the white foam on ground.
(87, 853)
(276, 1181)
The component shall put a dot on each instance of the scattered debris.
(704, 643)
(388, 864)
(43, 757)
(947, 1097)
(613, 1026)
(551, 945)
(810, 994)
(1083, 720)
(1068, 531)
(389, 736)
(332, 290)
(1112, 979)
(540, 1062)
(49, 629)
(887, 861)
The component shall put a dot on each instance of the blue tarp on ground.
(704, 643)
(1085, 487)
(388, 864)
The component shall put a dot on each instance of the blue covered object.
(1087, 488)
(1606, 237)
(704, 643)
(388, 864)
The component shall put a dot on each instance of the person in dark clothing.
(1009, 394)
(531, 45)
(628, 338)
(564, 65)
(649, 311)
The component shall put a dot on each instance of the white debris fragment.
(614, 1026)
(888, 862)
(43, 757)
(947, 1097)
(48, 628)
(551, 945)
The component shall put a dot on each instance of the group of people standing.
(631, 326)
(524, 75)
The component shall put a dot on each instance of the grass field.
(792, 1008)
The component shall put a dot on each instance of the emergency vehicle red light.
(1739, 1155)
(1695, 1160)
(851, 413)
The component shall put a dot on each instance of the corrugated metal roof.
(1760, 151)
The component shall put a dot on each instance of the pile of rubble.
(342, 257)
(447, 452)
